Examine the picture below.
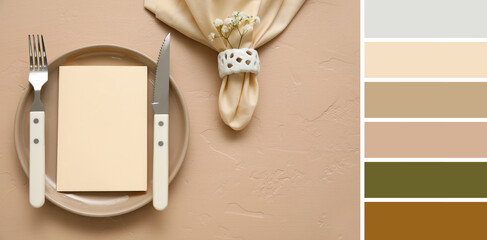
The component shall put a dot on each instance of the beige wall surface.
(293, 173)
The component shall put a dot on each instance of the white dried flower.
(243, 16)
(218, 22)
(247, 28)
(228, 21)
(238, 22)
(211, 37)
(257, 19)
(224, 29)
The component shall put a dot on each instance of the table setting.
(74, 138)
(171, 121)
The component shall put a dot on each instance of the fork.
(37, 78)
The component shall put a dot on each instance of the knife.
(160, 104)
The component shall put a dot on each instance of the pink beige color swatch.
(425, 139)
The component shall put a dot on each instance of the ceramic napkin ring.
(240, 60)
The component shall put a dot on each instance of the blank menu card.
(102, 128)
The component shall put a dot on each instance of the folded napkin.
(194, 18)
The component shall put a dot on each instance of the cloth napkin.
(239, 92)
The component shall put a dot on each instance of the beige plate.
(100, 204)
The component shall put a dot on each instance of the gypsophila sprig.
(239, 22)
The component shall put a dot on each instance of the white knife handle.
(160, 176)
(37, 157)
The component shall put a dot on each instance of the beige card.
(102, 128)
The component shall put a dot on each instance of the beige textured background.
(293, 173)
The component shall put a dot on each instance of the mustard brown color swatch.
(425, 220)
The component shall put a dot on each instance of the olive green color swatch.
(425, 179)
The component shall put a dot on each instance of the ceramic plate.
(100, 204)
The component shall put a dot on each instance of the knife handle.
(160, 167)
(37, 159)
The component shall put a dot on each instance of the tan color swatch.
(425, 59)
(425, 220)
(425, 139)
(425, 99)
(102, 128)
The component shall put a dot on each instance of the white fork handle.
(37, 157)
(160, 176)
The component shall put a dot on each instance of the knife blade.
(160, 104)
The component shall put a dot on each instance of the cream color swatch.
(425, 59)
(102, 128)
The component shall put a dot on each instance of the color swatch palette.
(423, 119)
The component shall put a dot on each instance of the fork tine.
(30, 55)
(44, 52)
(35, 52)
(39, 52)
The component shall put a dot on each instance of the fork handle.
(160, 176)
(37, 159)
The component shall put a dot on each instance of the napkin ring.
(240, 60)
